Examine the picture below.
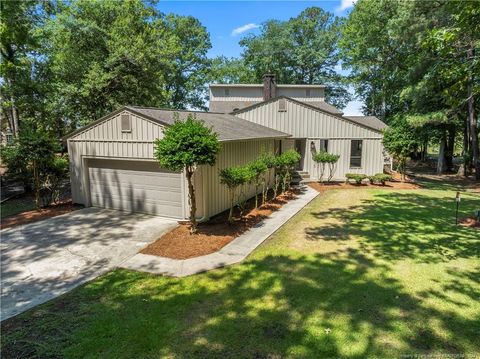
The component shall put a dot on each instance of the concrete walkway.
(234, 252)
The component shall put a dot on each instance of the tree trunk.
(450, 148)
(466, 148)
(472, 120)
(232, 200)
(193, 203)
(441, 155)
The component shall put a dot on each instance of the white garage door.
(135, 186)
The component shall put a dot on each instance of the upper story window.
(227, 92)
(356, 154)
(307, 93)
(126, 123)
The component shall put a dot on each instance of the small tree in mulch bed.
(185, 146)
(258, 169)
(269, 161)
(323, 159)
(285, 164)
(233, 178)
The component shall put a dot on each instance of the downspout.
(205, 217)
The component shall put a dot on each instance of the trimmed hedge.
(380, 178)
(357, 177)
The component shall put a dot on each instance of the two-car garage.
(135, 186)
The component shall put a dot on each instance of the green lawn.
(358, 273)
(16, 205)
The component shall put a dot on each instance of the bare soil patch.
(469, 222)
(214, 234)
(322, 187)
(38, 214)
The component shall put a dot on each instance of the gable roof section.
(370, 121)
(321, 105)
(228, 127)
(370, 124)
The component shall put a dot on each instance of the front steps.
(300, 177)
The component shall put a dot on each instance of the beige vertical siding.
(303, 122)
(372, 157)
(232, 154)
(106, 140)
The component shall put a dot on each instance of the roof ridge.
(171, 109)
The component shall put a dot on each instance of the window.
(282, 105)
(227, 92)
(324, 145)
(126, 123)
(307, 93)
(356, 153)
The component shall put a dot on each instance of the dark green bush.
(357, 177)
(380, 178)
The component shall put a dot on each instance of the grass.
(358, 273)
(16, 205)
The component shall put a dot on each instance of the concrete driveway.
(42, 260)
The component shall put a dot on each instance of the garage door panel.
(135, 186)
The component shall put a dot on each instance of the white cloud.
(244, 28)
(346, 4)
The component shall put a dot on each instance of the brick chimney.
(269, 86)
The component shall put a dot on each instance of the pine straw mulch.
(469, 222)
(322, 187)
(38, 214)
(214, 234)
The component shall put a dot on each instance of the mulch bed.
(469, 222)
(36, 215)
(214, 234)
(322, 187)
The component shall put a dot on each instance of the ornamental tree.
(400, 140)
(258, 168)
(234, 177)
(186, 145)
(324, 158)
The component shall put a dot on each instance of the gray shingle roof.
(325, 107)
(228, 127)
(369, 121)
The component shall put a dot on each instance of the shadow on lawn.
(271, 307)
(401, 225)
(283, 305)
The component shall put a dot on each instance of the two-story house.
(112, 162)
(314, 125)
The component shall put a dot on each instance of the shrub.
(58, 171)
(234, 177)
(32, 159)
(184, 146)
(380, 178)
(357, 177)
(284, 165)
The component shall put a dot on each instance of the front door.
(300, 148)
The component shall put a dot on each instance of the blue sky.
(228, 21)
